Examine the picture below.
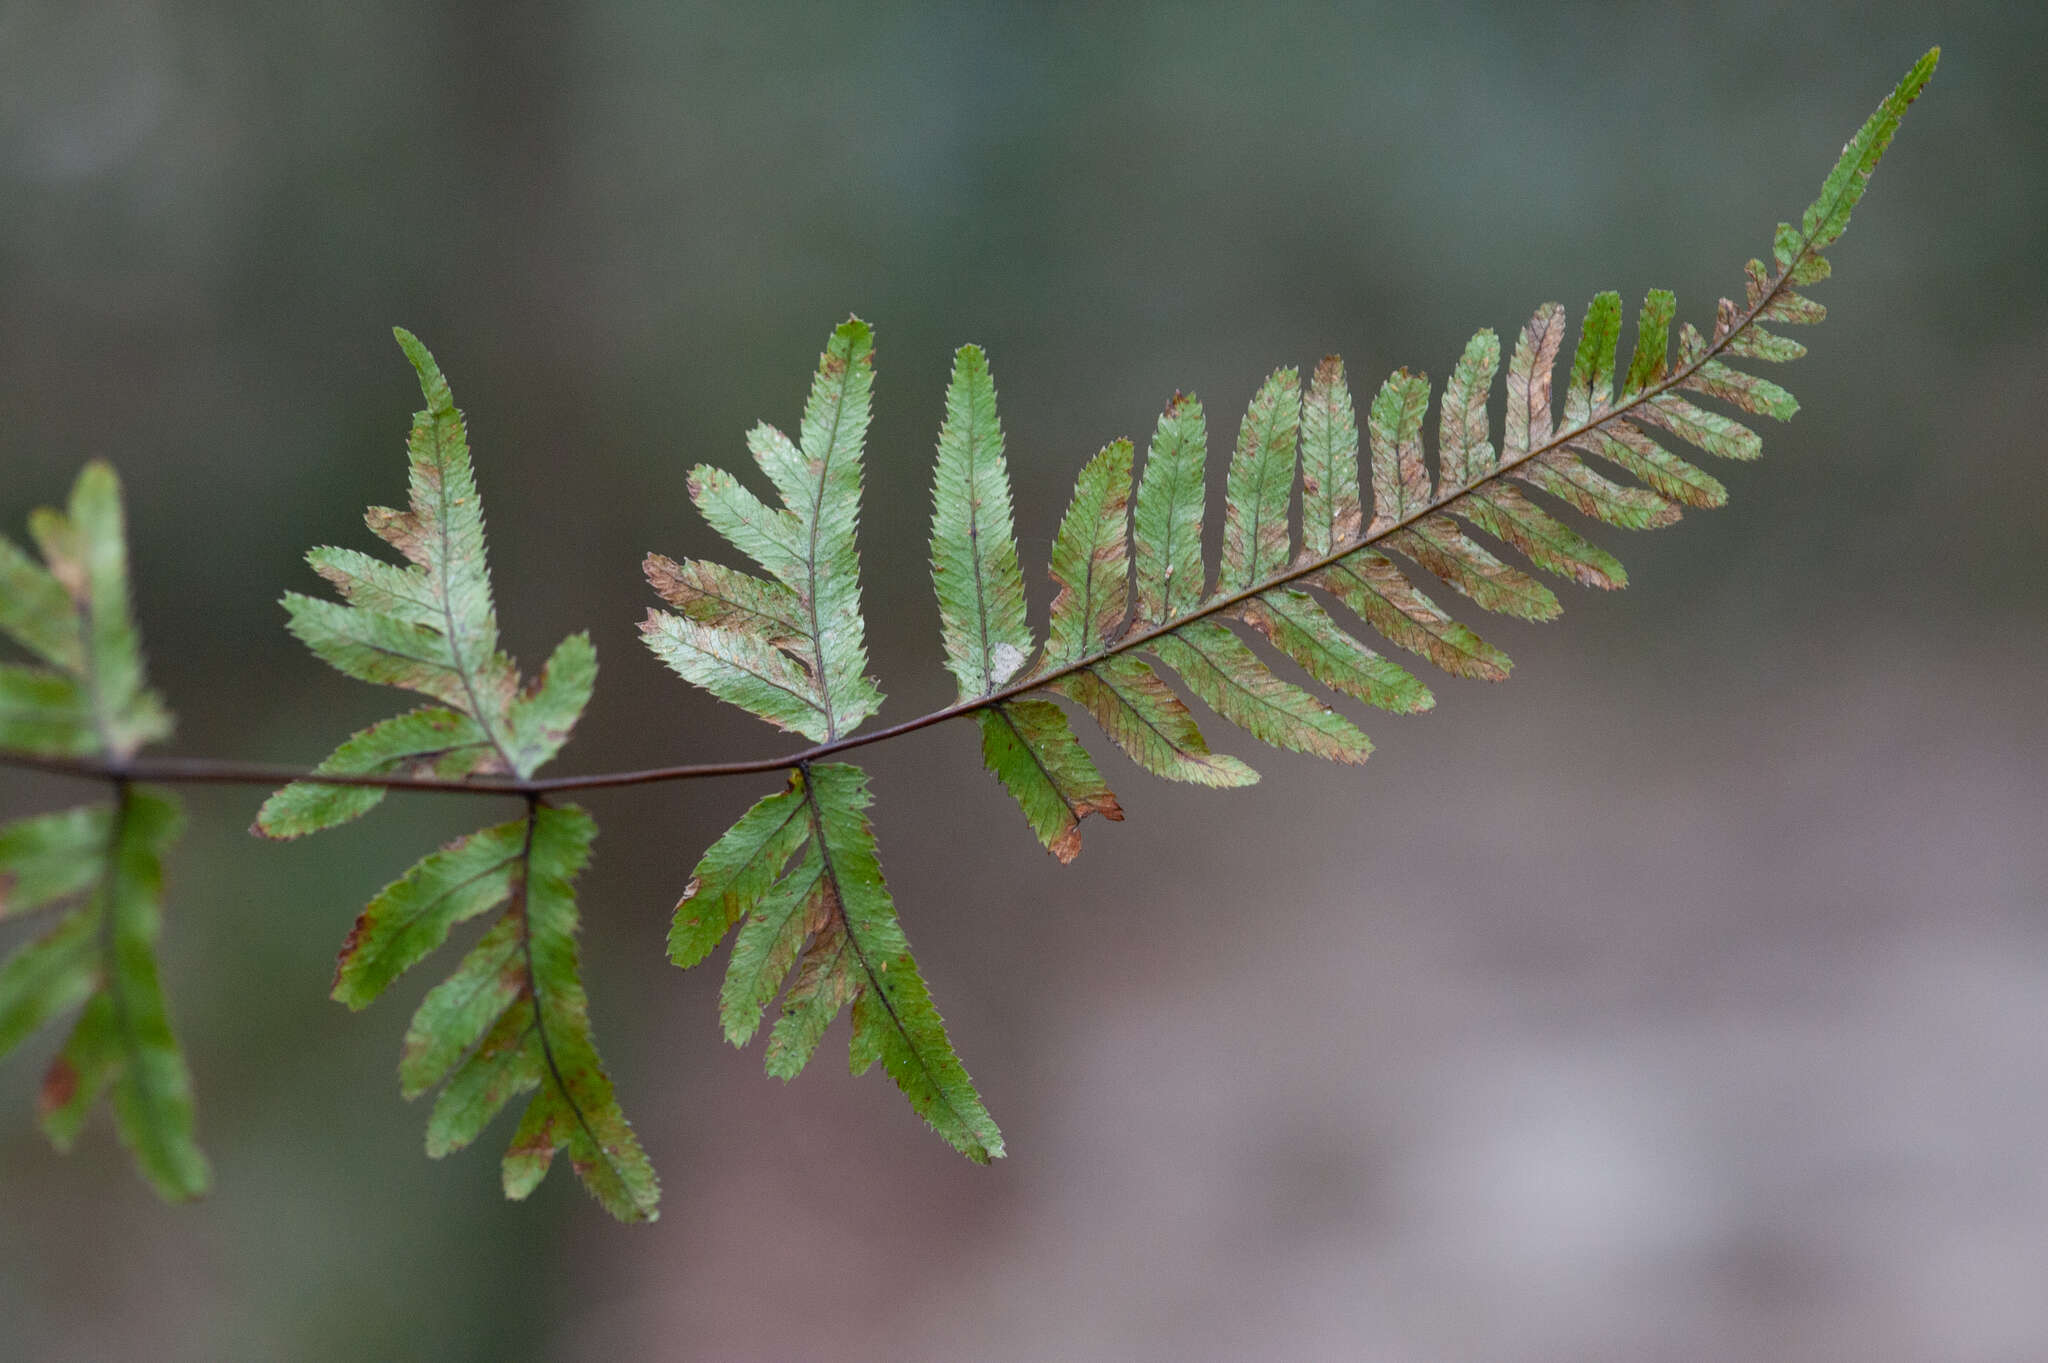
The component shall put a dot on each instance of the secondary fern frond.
(513, 1017)
(99, 866)
(791, 651)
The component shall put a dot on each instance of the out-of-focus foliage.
(96, 869)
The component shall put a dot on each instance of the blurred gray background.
(1684, 999)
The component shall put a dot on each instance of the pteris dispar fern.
(799, 875)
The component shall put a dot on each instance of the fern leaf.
(412, 916)
(974, 546)
(513, 1018)
(1168, 520)
(1331, 511)
(1230, 679)
(1828, 217)
(1592, 381)
(1375, 589)
(431, 627)
(1090, 559)
(1261, 484)
(1400, 483)
(768, 943)
(734, 637)
(893, 1017)
(1466, 567)
(50, 857)
(726, 598)
(1293, 622)
(1626, 447)
(1032, 750)
(429, 741)
(98, 866)
(1464, 439)
(736, 872)
(832, 921)
(1141, 714)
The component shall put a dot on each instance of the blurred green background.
(1685, 999)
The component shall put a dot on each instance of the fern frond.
(1135, 610)
(793, 651)
(101, 866)
(430, 627)
(513, 1017)
(832, 920)
(1293, 446)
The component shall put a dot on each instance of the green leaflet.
(1032, 750)
(1653, 340)
(726, 598)
(893, 1017)
(1168, 520)
(36, 612)
(733, 638)
(1090, 561)
(1378, 593)
(50, 857)
(1400, 482)
(411, 916)
(1230, 679)
(1331, 513)
(1438, 545)
(831, 919)
(430, 741)
(1141, 715)
(1625, 446)
(974, 546)
(1712, 432)
(574, 1109)
(428, 626)
(1746, 391)
(1295, 624)
(513, 1018)
(1464, 439)
(741, 669)
(100, 866)
(1591, 388)
(776, 925)
(46, 713)
(1530, 374)
(1261, 482)
(103, 954)
(737, 870)
(73, 611)
(1506, 514)
(1566, 477)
